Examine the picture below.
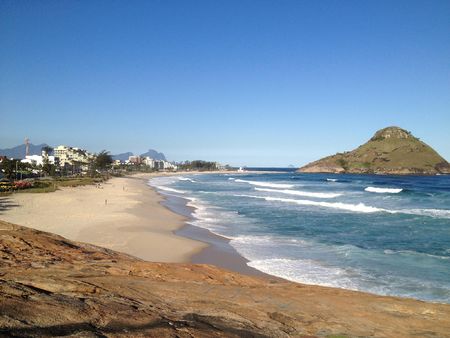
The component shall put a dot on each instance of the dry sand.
(123, 214)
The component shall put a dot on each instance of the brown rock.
(50, 286)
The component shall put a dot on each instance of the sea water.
(388, 235)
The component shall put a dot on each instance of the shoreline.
(219, 251)
(139, 221)
(123, 214)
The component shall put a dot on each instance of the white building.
(72, 155)
(149, 161)
(169, 166)
(164, 165)
(37, 160)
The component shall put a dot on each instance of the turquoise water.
(382, 234)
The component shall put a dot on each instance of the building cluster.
(63, 157)
(148, 161)
(73, 157)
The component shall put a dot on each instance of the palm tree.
(47, 167)
(103, 160)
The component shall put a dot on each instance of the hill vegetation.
(391, 150)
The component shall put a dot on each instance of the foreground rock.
(391, 150)
(50, 286)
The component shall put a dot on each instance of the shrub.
(18, 185)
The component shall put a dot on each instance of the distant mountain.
(122, 157)
(150, 153)
(18, 152)
(154, 155)
(391, 150)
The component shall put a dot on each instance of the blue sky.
(259, 83)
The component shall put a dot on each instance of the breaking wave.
(301, 193)
(170, 189)
(181, 178)
(266, 184)
(384, 190)
(360, 207)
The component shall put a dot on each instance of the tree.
(9, 167)
(47, 167)
(198, 165)
(103, 160)
(46, 150)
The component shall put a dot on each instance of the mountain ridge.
(150, 153)
(154, 155)
(18, 152)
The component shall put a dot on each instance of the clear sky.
(259, 83)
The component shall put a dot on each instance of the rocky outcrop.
(50, 286)
(391, 150)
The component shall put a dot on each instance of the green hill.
(391, 150)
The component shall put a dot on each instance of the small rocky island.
(391, 150)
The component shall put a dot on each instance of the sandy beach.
(122, 214)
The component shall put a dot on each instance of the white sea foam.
(383, 190)
(301, 193)
(332, 179)
(435, 213)
(360, 207)
(210, 217)
(306, 271)
(266, 184)
(181, 178)
(163, 188)
(421, 255)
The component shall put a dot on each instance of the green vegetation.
(391, 150)
(198, 165)
(43, 186)
(13, 169)
(343, 163)
(48, 168)
(102, 160)
(75, 182)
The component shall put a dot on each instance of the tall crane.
(27, 146)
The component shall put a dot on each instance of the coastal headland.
(51, 285)
(390, 151)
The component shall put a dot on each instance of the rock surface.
(391, 150)
(50, 286)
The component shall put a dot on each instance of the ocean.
(388, 235)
